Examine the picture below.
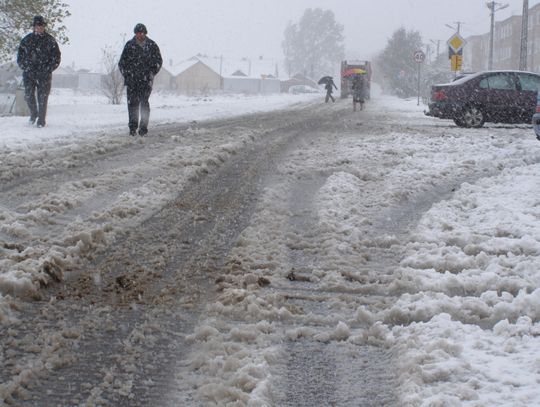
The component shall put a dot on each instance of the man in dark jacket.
(139, 63)
(329, 84)
(38, 56)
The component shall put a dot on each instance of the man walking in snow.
(38, 56)
(139, 63)
(329, 84)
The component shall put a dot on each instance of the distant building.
(163, 80)
(506, 45)
(198, 75)
(507, 38)
(475, 53)
(65, 77)
(202, 75)
(195, 77)
(298, 79)
(533, 46)
(90, 80)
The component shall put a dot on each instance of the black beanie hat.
(38, 20)
(140, 28)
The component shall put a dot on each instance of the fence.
(13, 104)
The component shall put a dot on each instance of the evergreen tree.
(314, 46)
(16, 20)
(396, 64)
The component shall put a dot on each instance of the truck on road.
(351, 68)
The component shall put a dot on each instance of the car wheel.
(472, 117)
(459, 122)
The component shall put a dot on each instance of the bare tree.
(315, 45)
(112, 85)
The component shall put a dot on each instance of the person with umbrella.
(328, 82)
(359, 91)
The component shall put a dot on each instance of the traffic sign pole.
(419, 57)
(419, 71)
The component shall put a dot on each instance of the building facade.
(506, 45)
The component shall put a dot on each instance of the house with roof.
(194, 77)
(65, 77)
(163, 80)
(202, 74)
(298, 79)
(245, 75)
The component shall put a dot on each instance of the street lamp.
(493, 7)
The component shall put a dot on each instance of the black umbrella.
(325, 79)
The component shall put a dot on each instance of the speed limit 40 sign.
(419, 56)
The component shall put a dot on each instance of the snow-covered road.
(306, 257)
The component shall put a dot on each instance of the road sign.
(452, 52)
(456, 42)
(456, 62)
(419, 56)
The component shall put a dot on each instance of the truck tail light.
(439, 95)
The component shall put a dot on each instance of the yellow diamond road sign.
(456, 42)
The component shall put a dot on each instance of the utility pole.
(493, 6)
(438, 44)
(524, 35)
(457, 26)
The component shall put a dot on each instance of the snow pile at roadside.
(474, 291)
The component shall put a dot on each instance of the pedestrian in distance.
(359, 91)
(328, 86)
(38, 56)
(139, 64)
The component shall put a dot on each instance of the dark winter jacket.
(38, 54)
(329, 86)
(140, 63)
(359, 88)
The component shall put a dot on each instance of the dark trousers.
(329, 96)
(40, 84)
(137, 100)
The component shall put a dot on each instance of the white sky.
(251, 28)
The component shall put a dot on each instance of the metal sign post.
(419, 57)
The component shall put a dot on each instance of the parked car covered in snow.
(490, 96)
(536, 117)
